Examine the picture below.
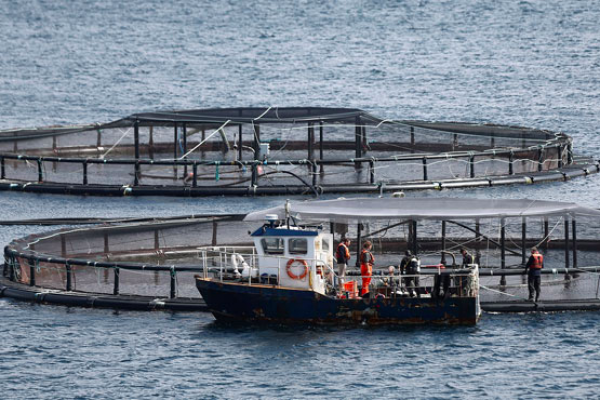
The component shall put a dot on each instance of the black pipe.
(414, 238)
(136, 140)
(425, 177)
(540, 160)
(2, 168)
(567, 240)
(357, 138)
(412, 138)
(511, 169)
(311, 139)
(195, 172)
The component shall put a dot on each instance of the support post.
(478, 241)
(98, 139)
(106, 248)
(136, 140)
(63, 246)
(523, 240)
(314, 171)
(358, 139)
(3, 168)
(69, 276)
(311, 140)
(184, 133)
(85, 174)
(195, 172)
(358, 244)
(321, 145)
(116, 288)
(256, 141)
(214, 232)
(156, 240)
(173, 292)
(546, 233)
(425, 176)
(574, 237)
(503, 250)
(414, 238)
(511, 161)
(371, 172)
(254, 176)
(540, 160)
(174, 150)
(412, 139)
(12, 273)
(443, 261)
(472, 166)
(567, 250)
(40, 171)
(560, 152)
(240, 142)
(332, 231)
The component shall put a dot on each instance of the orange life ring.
(288, 268)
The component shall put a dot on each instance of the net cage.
(247, 151)
(160, 259)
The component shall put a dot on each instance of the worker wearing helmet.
(366, 266)
(534, 275)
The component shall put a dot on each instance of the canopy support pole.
(358, 244)
(311, 140)
(240, 142)
(567, 250)
(502, 250)
(174, 150)
(151, 141)
(478, 240)
(357, 138)
(414, 237)
(136, 141)
(256, 141)
(332, 230)
(546, 232)
(443, 260)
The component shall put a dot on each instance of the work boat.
(289, 276)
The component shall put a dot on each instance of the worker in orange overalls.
(534, 277)
(366, 266)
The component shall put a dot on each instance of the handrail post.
(173, 293)
(511, 159)
(85, 172)
(69, 276)
(425, 177)
(195, 172)
(2, 168)
(40, 171)
(116, 287)
(472, 166)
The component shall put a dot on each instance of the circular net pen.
(258, 151)
(151, 265)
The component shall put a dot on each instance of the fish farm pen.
(151, 264)
(261, 151)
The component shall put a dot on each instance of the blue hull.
(261, 303)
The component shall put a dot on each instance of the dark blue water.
(532, 63)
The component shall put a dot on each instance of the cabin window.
(298, 246)
(325, 245)
(272, 245)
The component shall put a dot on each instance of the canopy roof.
(365, 209)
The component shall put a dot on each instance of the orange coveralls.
(366, 269)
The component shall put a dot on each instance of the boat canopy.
(365, 209)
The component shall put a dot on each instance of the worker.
(467, 257)
(405, 261)
(412, 268)
(342, 256)
(366, 266)
(534, 276)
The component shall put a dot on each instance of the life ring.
(288, 268)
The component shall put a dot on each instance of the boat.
(288, 276)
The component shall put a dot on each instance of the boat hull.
(261, 303)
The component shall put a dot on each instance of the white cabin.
(299, 257)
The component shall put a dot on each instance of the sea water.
(529, 63)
